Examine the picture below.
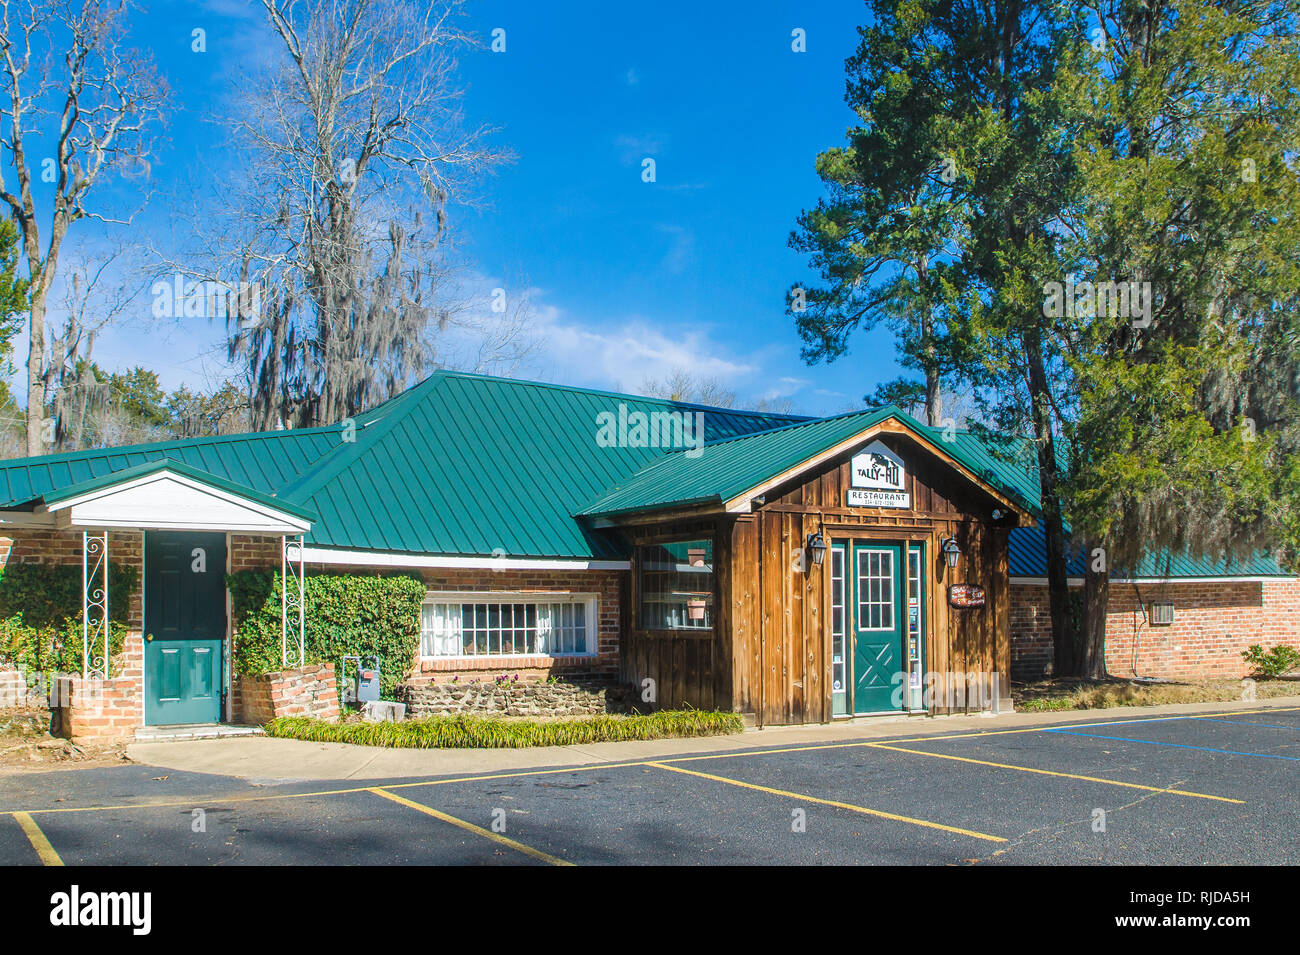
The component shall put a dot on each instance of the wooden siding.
(779, 613)
(688, 667)
(769, 653)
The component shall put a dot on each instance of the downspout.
(1137, 628)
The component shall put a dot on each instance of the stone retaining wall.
(509, 698)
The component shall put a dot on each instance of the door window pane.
(875, 589)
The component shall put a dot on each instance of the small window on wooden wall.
(676, 585)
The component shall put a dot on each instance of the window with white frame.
(503, 625)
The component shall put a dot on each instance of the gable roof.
(459, 464)
(727, 468)
(481, 465)
(262, 461)
(471, 465)
(70, 492)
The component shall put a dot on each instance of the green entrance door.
(878, 622)
(185, 625)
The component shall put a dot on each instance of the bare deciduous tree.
(106, 100)
(352, 150)
(683, 385)
(98, 291)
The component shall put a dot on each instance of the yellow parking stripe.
(592, 767)
(470, 827)
(1049, 772)
(1068, 726)
(830, 802)
(37, 838)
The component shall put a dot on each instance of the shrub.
(361, 614)
(48, 594)
(451, 732)
(52, 649)
(40, 607)
(1271, 663)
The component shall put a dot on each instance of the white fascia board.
(365, 558)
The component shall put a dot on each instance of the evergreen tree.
(944, 206)
(1185, 428)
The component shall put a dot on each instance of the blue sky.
(626, 279)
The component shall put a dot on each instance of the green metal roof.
(479, 465)
(729, 467)
(471, 465)
(69, 491)
(263, 462)
(1028, 558)
(459, 464)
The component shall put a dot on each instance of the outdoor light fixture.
(817, 544)
(951, 551)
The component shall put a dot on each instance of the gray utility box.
(364, 685)
(368, 684)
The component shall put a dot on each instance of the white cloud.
(622, 352)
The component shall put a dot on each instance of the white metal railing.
(94, 599)
(293, 602)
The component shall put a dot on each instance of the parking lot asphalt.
(1170, 790)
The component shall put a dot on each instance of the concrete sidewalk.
(268, 761)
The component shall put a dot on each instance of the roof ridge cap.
(794, 419)
(330, 465)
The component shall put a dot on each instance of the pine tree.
(942, 211)
(1185, 430)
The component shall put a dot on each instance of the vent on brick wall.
(1162, 615)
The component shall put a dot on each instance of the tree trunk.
(933, 398)
(1096, 597)
(929, 359)
(1058, 589)
(35, 376)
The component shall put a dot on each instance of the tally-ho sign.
(877, 478)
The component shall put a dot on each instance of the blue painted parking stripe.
(1153, 742)
(1277, 726)
(1146, 719)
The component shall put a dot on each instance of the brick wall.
(1031, 632)
(15, 690)
(93, 709)
(305, 691)
(248, 552)
(254, 553)
(1213, 622)
(605, 584)
(100, 710)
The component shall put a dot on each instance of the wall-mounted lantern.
(951, 551)
(817, 547)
